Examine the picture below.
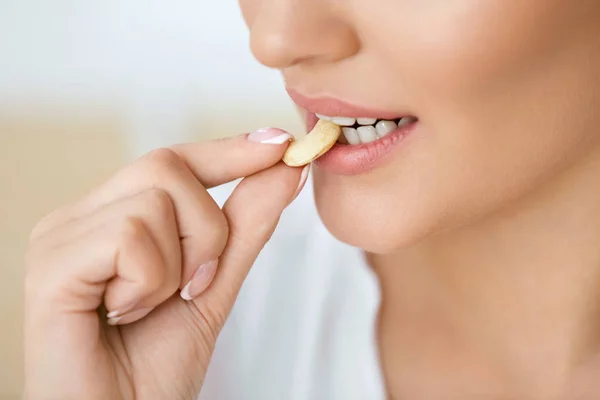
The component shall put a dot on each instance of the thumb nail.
(302, 181)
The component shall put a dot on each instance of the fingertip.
(224, 160)
(199, 281)
(129, 317)
(270, 136)
(302, 181)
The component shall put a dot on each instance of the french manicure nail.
(121, 311)
(128, 317)
(270, 136)
(200, 280)
(302, 180)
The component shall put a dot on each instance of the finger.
(119, 262)
(253, 211)
(210, 163)
(155, 210)
(220, 161)
(202, 227)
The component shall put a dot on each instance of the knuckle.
(158, 201)
(131, 231)
(218, 231)
(214, 233)
(133, 234)
(154, 281)
(164, 159)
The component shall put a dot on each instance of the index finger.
(225, 160)
(211, 163)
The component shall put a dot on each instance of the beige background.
(44, 161)
(88, 86)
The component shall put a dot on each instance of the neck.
(517, 294)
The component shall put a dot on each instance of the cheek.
(447, 53)
(436, 185)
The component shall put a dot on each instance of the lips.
(369, 136)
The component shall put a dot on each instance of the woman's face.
(507, 94)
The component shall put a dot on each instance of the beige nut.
(312, 146)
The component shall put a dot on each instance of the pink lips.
(345, 159)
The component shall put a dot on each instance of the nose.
(285, 33)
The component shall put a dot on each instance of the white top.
(303, 327)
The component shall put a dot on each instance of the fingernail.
(200, 280)
(270, 136)
(128, 317)
(121, 311)
(302, 181)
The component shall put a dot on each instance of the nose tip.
(273, 50)
(284, 37)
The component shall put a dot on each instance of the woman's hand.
(104, 316)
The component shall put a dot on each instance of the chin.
(371, 219)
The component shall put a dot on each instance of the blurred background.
(87, 86)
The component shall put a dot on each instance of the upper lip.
(333, 107)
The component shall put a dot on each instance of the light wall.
(86, 86)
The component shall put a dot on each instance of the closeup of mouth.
(363, 130)
(365, 142)
(369, 138)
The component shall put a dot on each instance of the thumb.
(253, 211)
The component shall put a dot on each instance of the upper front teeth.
(343, 121)
(366, 121)
(348, 121)
(370, 129)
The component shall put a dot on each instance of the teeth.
(325, 117)
(370, 129)
(385, 127)
(351, 135)
(366, 121)
(344, 121)
(367, 134)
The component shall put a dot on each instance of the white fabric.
(303, 327)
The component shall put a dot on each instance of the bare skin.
(128, 247)
(482, 227)
(507, 309)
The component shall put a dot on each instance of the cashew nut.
(312, 146)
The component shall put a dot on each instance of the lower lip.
(345, 159)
